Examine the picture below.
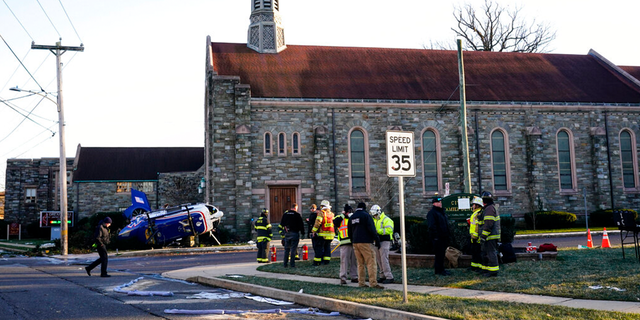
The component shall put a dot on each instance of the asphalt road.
(47, 288)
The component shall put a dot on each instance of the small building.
(32, 186)
(104, 177)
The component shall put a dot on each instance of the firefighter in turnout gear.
(490, 236)
(348, 260)
(475, 224)
(323, 227)
(384, 228)
(263, 228)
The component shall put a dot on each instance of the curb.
(345, 307)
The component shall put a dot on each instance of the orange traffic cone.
(605, 239)
(589, 242)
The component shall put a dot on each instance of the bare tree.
(496, 28)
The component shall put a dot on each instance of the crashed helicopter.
(161, 227)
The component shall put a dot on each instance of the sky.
(140, 80)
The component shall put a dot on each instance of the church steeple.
(266, 34)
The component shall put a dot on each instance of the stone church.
(292, 123)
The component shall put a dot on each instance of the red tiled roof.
(634, 71)
(420, 74)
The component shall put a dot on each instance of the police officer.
(439, 234)
(490, 236)
(384, 228)
(293, 228)
(263, 228)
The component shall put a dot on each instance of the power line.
(14, 15)
(45, 13)
(74, 28)
(23, 120)
(41, 142)
(25, 68)
(14, 109)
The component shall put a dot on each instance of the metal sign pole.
(403, 241)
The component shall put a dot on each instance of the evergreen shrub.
(604, 218)
(550, 219)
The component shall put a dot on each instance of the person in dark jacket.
(317, 242)
(439, 234)
(363, 234)
(293, 228)
(102, 238)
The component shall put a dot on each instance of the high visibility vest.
(343, 232)
(324, 225)
(384, 227)
(475, 223)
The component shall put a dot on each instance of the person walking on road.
(384, 228)
(323, 227)
(439, 234)
(263, 228)
(363, 234)
(293, 230)
(347, 257)
(475, 224)
(490, 236)
(102, 237)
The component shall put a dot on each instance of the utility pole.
(58, 50)
(463, 119)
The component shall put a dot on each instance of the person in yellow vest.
(347, 256)
(263, 228)
(384, 228)
(323, 227)
(490, 236)
(475, 224)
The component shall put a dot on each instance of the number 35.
(406, 164)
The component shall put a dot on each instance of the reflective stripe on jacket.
(263, 227)
(324, 225)
(343, 229)
(475, 224)
(491, 221)
(384, 227)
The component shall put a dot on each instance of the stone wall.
(33, 173)
(96, 197)
(239, 173)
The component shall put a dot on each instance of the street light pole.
(58, 50)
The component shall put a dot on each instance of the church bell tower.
(266, 34)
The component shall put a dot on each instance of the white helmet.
(375, 210)
(477, 200)
(325, 204)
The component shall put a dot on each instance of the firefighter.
(323, 227)
(263, 228)
(475, 224)
(347, 257)
(490, 236)
(384, 228)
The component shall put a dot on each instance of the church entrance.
(281, 198)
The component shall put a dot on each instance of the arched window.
(295, 144)
(629, 159)
(267, 144)
(500, 161)
(566, 167)
(430, 161)
(282, 144)
(358, 152)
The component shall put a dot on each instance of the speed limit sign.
(400, 154)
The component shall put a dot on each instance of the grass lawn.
(570, 275)
(440, 306)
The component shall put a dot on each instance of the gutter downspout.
(333, 144)
(475, 115)
(158, 190)
(606, 130)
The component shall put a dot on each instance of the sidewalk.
(209, 274)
